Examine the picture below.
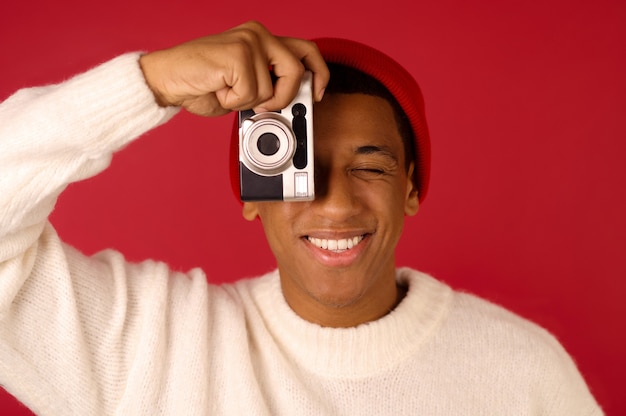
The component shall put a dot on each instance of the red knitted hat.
(389, 73)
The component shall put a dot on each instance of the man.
(337, 329)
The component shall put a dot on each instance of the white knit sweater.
(91, 336)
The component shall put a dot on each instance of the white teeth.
(336, 245)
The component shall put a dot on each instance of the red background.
(526, 105)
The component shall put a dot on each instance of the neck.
(369, 307)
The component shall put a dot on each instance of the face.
(335, 254)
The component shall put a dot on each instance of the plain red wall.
(526, 107)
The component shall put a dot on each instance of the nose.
(335, 198)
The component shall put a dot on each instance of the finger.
(240, 90)
(265, 86)
(288, 71)
(249, 80)
(206, 105)
(249, 87)
(284, 90)
(308, 53)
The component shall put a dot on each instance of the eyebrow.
(380, 150)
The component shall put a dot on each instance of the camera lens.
(268, 144)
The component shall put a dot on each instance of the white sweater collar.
(354, 352)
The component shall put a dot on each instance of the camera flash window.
(301, 183)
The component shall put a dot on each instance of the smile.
(336, 246)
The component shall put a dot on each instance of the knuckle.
(255, 25)
(251, 31)
(248, 35)
(310, 45)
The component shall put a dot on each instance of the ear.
(411, 200)
(250, 210)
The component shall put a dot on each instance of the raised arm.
(51, 136)
(71, 326)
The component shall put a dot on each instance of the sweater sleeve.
(49, 137)
(54, 135)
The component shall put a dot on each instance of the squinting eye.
(368, 173)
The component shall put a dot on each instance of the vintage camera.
(276, 150)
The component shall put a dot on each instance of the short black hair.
(348, 80)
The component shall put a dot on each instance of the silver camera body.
(276, 150)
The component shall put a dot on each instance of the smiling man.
(338, 329)
(336, 254)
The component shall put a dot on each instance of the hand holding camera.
(216, 74)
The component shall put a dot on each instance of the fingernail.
(321, 95)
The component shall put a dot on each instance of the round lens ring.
(267, 144)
